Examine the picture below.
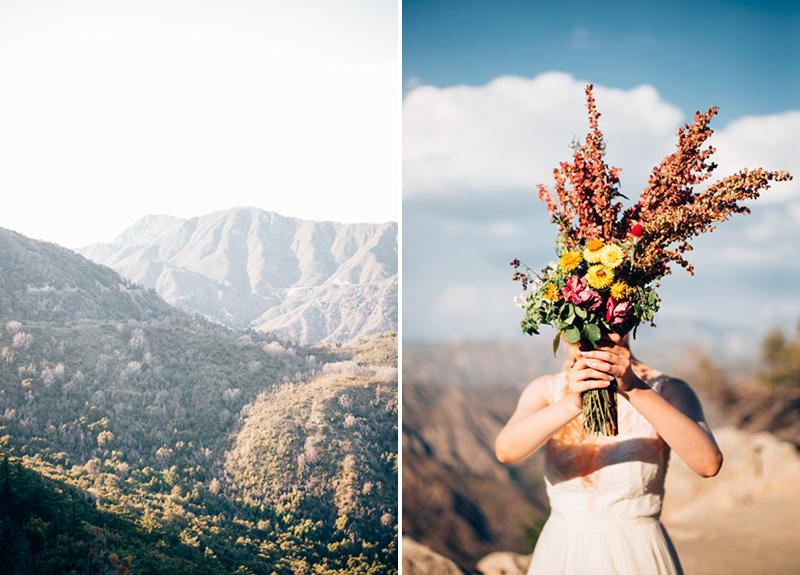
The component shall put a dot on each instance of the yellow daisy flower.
(591, 253)
(552, 293)
(569, 261)
(612, 255)
(619, 290)
(599, 276)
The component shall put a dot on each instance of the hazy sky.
(112, 110)
(493, 95)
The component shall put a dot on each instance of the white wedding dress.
(605, 495)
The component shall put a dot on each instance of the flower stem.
(600, 411)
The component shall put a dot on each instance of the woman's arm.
(676, 414)
(536, 419)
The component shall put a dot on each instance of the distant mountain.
(248, 268)
(119, 415)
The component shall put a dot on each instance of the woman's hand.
(613, 358)
(586, 374)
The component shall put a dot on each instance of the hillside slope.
(457, 498)
(43, 282)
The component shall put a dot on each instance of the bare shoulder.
(673, 387)
(536, 394)
(681, 395)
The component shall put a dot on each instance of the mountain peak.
(147, 229)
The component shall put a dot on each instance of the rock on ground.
(421, 560)
(504, 564)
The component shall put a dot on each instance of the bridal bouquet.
(609, 259)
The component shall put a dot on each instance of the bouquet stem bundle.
(600, 411)
(610, 259)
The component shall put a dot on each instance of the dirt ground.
(745, 521)
(753, 538)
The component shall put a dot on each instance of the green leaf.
(572, 335)
(592, 332)
(528, 328)
(580, 312)
(556, 342)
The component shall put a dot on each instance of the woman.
(606, 492)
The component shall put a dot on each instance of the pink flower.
(573, 287)
(576, 293)
(618, 313)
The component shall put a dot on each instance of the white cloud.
(769, 142)
(476, 310)
(512, 132)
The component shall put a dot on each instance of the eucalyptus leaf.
(592, 332)
(580, 312)
(572, 335)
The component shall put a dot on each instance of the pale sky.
(113, 110)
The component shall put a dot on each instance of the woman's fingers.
(613, 355)
(602, 365)
(582, 377)
(590, 369)
(587, 384)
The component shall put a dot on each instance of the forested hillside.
(134, 439)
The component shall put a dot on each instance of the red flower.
(589, 300)
(637, 231)
(618, 313)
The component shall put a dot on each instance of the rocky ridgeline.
(251, 269)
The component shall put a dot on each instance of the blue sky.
(493, 94)
(741, 55)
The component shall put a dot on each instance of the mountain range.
(247, 268)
